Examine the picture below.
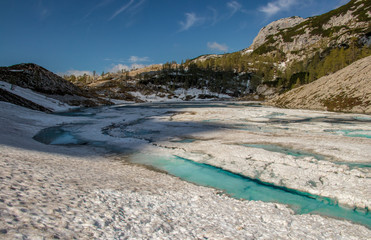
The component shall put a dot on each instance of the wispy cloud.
(120, 10)
(276, 6)
(130, 6)
(191, 20)
(214, 46)
(215, 15)
(135, 59)
(44, 12)
(211, 16)
(97, 6)
(234, 7)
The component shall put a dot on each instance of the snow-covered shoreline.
(66, 192)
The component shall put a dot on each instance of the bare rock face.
(296, 38)
(34, 77)
(347, 90)
(274, 28)
(265, 90)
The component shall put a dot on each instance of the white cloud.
(234, 6)
(191, 19)
(218, 47)
(118, 68)
(122, 67)
(135, 59)
(78, 72)
(276, 6)
(137, 66)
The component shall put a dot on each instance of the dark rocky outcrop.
(36, 78)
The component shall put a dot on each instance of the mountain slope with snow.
(30, 99)
(33, 86)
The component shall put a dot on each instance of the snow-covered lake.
(316, 162)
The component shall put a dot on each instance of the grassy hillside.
(347, 90)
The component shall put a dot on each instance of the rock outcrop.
(347, 90)
(41, 80)
(273, 28)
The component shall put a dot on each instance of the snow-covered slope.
(44, 101)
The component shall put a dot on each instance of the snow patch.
(181, 94)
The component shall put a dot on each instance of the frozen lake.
(316, 162)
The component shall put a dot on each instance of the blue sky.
(68, 36)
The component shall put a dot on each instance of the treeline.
(79, 80)
(263, 66)
(321, 64)
(265, 69)
(85, 79)
(237, 73)
(173, 76)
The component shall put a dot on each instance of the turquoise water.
(285, 150)
(274, 114)
(186, 140)
(355, 165)
(242, 187)
(57, 136)
(352, 132)
(362, 118)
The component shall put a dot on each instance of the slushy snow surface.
(80, 191)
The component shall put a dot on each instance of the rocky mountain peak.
(275, 27)
(296, 38)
